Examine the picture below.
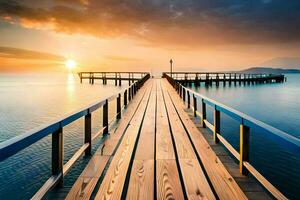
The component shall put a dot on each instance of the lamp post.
(171, 67)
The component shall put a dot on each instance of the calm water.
(31, 100)
(275, 104)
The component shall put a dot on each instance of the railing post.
(203, 114)
(195, 105)
(116, 79)
(129, 93)
(132, 91)
(88, 133)
(217, 117)
(129, 82)
(57, 154)
(180, 91)
(189, 99)
(125, 98)
(244, 147)
(105, 118)
(120, 79)
(119, 107)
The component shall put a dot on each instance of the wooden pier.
(156, 151)
(116, 77)
(196, 78)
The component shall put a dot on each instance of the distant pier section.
(116, 77)
(196, 78)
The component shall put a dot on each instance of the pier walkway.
(156, 152)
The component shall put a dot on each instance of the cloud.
(168, 22)
(16, 53)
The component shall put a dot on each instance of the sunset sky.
(139, 35)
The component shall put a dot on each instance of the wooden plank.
(85, 184)
(183, 146)
(164, 146)
(113, 182)
(141, 180)
(196, 185)
(168, 183)
(141, 184)
(112, 140)
(224, 184)
(145, 148)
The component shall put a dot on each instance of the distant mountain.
(267, 70)
(283, 62)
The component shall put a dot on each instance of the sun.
(70, 64)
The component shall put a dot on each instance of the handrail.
(201, 73)
(217, 77)
(289, 141)
(12, 146)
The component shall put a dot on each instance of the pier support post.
(129, 82)
(105, 118)
(217, 123)
(244, 147)
(125, 98)
(183, 96)
(203, 114)
(88, 133)
(57, 154)
(119, 107)
(120, 79)
(80, 76)
(195, 105)
(189, 99)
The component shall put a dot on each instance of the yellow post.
(216, 125)
(244, 147)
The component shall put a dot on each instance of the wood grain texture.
(164, 146)
(182, 143)
(85, 184)
(145, 147)
(168, 182)
(222, 181)
(141, 185)
(195, 182)
(194, 179)
(113, 182)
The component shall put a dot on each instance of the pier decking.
(160, 154)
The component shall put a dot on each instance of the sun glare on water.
(70, 64)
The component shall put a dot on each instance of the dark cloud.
(177, 22)
(8, 52)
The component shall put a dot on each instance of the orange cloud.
(16, 53)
